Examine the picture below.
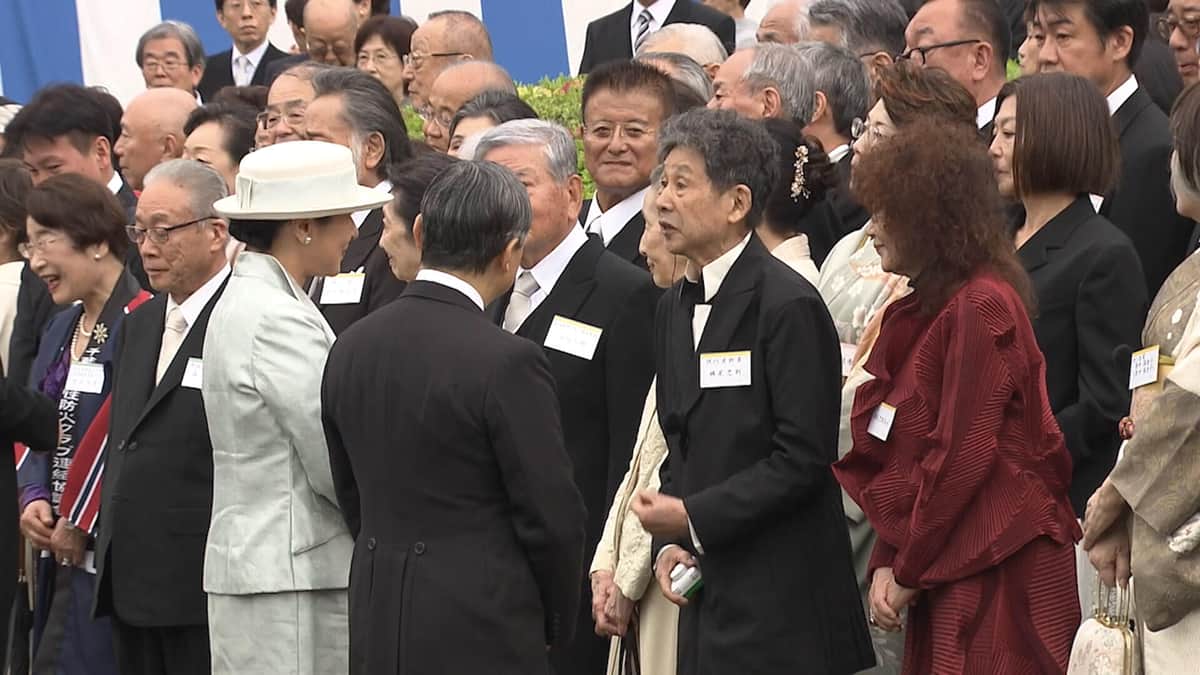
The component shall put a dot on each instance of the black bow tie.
(691, 293)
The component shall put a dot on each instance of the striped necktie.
(643, 29)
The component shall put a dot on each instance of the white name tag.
(573, 337)
(724, 369)
(880, 425)
(86, 377)
(1143, 367)
(848, 352)
(344, 289)
(193, 375)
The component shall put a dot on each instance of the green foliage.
(1013, 70)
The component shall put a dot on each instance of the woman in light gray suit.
(277, 562)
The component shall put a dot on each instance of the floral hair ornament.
(798, 187)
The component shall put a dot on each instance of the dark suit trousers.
(170, 650)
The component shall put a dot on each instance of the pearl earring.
(307, 240)
(97, 256)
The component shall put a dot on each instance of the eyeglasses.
(169, 64)
(1188, 25)
(441, 118)
(381, 58)
(873, 133)
(415, 60)
(27, 249)
(919, 55)
(157, 235)
(602, 131)
(292, 111)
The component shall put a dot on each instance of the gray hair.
(193, 48)
(736, 151)
(867, 26)
(468, 234)
(203, 184)
(562, 157)
(780, 66)
(305, 71)
(842, 77)
(367, 108)
(687, 71)
(702, 44)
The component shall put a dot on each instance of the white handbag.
(1107, 644)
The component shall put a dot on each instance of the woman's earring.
(307, 240)
(97, 256)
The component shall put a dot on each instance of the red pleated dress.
(968, 492)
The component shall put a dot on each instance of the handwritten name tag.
(86, 377)
(344, 289)
(573, 337)
(193, 375)
(1143, 367)
(724, 369)
(880, 425)
(848, 352)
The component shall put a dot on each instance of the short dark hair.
(1185, 130)
(294, 11)
(411, 179)
(1109, 16)
(498, 106)
(468, 234)
(62, 110)
(221, 4)
(254, 96)
(381, 7)
(910, 92)
(15, 184)
(736, 151)
(82, 209)
(111, 106)
(367, 107)
(784, 209)
(1065, 139)
(686, 98)
(395, 31)
(627, 76)
(987, 18)
(237, 122)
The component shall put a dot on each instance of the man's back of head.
(869, 28)
(690, 39)
(786, 23)
(330, 27)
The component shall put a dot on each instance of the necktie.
(520, 304)
(243, 72)
(643, 29)
(172, 337)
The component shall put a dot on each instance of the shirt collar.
(450, 281)
(612, 221)
(660, 10)
(1121, 94)
(115, 183)
(835, 155)
(986, 113)
(714, 273)
(195, 302)
(255, 54)
(359, 216)
(547, 271)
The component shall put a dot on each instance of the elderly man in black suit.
(593, 314)
(448, 458)
(353, 109)
(617, 36)
(247, 22)
(1107, 37)
(749, 372)
(158, 478)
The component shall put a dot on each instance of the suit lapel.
(366, 241)
(624, 37)
(260, 73)
(627, 241)
(1129, 110)
(1037, 251)
(568, 294)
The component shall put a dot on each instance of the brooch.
(100, 333)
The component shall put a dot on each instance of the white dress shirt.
(746, 31)
(835, 155)
(359, 216)
(1121, 94)
(659, 11)
(450, 281)
(608, 224)
(115, 183)
(986, 113)
(241, 77)
(714, 275)
(550, 268)
(194, 305)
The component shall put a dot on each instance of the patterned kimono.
(66, 640)
(1158, 474)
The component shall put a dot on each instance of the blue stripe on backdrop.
(201, 15)
(528, 37)
(39, 44)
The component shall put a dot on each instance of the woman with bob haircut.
(957, 460)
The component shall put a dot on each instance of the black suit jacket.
(450, 467)
(380, 286)
(751, 464)
(851, 214)
(157, 498)
(601, 400)
(609, 38)
(1156, 71)
(627, 244)
(1142, 205)
(218, 71)
(1091, 299)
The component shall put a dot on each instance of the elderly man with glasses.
(446, 38)
(451, 90)
(1180, 27)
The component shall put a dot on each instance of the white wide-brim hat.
(298, 179)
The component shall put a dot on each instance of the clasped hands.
(611, 610)
(67, 542)
(887, 598)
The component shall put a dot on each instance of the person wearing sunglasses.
(970, 39)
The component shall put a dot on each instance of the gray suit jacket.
(275, 525)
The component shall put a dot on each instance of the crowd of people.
(865, 355)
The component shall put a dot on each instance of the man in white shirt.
(247, 22)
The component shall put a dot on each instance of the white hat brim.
(361, 200)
